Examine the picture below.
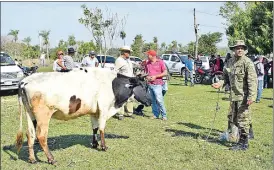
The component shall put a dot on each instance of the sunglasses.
(61, 54)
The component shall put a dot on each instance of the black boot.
(241, 145)
(251, 134)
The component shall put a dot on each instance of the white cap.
(125, 48)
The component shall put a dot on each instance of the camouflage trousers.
(239, 117)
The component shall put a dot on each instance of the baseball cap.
(71, 50)
(151, 52)
(92, 53)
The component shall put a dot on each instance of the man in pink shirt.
(156, 70)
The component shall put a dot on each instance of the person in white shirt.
(91, 60)
(42, 59)
(123, 66)
(59, 60)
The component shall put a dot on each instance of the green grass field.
(141, 143)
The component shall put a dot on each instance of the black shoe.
(251, 134)
(241, 145)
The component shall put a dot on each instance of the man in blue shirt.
(189, 70)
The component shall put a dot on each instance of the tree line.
(253, 23)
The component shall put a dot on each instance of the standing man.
(240, 72)
(42, 59)
(123, 66)
(259, 67)
(198, 63)
(189, 70)
(156, 70)
(68, 60)
(91, 60)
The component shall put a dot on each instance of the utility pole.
(196, 34)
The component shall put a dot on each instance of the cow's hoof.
(95, 144)
(52, 162)
(32, 161)
(104, 148)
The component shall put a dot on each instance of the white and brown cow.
(97, 92)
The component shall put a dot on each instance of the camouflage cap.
(238, 43)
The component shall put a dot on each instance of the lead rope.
(215, 115)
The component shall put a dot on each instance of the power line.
(207, 13)
(211, 26)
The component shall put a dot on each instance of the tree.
(155, 41)
(137, 46)
(253, 23)
(191, 48)
(27, 40)
(14, 33)
(208, 42)
(85, 47)
(123, 36)
(28, 49)
(45, 35)
(100, 24)
(71, 40)
(62, 45)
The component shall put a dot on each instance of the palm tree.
(163, 46)
(45, 35)
(155, 40)
(174, 45)
(123, 36)
(27, 40)
(14, 33)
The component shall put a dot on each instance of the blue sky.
(166, 20)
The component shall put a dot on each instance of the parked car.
(110, 61)
(135, 59)
(205, 62)
(11, 74)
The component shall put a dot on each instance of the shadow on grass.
(56, 143)
(215, 91)
(212, 138)
(8, 93)
(194, 126)
(176, 84)
(267, 98)
(225, 98)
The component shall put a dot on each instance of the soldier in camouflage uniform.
(241, 75)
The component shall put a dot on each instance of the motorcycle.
(29, 70)
(207, 76)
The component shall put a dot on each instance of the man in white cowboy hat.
(241, 75)
(124, 67)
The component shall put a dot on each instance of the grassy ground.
(142, 143)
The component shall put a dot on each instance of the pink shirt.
(155, 69)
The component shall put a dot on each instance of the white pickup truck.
(175, 63)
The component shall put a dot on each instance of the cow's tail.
(21, 97)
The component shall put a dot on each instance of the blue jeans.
(189, 74)
(158, 105)
(260, 89)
